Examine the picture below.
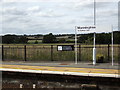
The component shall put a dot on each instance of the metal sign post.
(112, 48)
(94, 52)
(94, 49)
(75, 45)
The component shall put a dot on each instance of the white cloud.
(34, 9)
(108, 13)
(74, 5)
(47, 13)
(50, 14)
(13, 11)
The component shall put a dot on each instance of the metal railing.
(50, 53)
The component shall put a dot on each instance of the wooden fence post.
(108, 52)
(51, 52)
(118, 55)
(79, 52)
(2, 53)
(25, 53)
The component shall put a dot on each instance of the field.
(48, 52)
(33, 41)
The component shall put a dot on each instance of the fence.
(50, 53)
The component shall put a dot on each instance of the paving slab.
(65, 64)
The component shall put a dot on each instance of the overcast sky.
(52, 16)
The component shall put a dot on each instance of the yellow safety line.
(57, 67)
(63, 69)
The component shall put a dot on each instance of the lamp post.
(94, 48)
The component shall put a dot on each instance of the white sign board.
(92, 29)
(65, 47)
(85, 28)
(60, 48)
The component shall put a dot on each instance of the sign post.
(94, 55)
(75, 45)
(84, 29)
(112, 47)
(94, 49)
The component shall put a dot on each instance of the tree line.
(14, 39)
(101, 38)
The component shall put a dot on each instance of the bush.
(100, 58)
(36, 42)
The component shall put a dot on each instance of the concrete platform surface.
(63, 68)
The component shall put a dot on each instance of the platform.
(61, 68)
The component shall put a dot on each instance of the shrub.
(36, 42)
(100, 58)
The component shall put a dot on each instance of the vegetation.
(8, 39)
(39, 47)
(50, 38)
(100, 58)
(36, 42)
(43, 52)
(62, 40)
(101, 38)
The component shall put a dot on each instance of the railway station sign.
(85, 28)
(65, 47)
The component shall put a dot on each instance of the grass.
(33, 41)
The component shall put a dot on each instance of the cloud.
(87, 5)
(108, 13)
(104, 13)
(34, 9)
(14, 14)
(50, 14)
(13, 11)
(99, 4)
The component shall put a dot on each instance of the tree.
(83, 38)
(89, 40)
(8, 39)
(36, 42)
(103, 38)
(22, 39)
(49, 38)
(117, 37)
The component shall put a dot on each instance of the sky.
(55, 16)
